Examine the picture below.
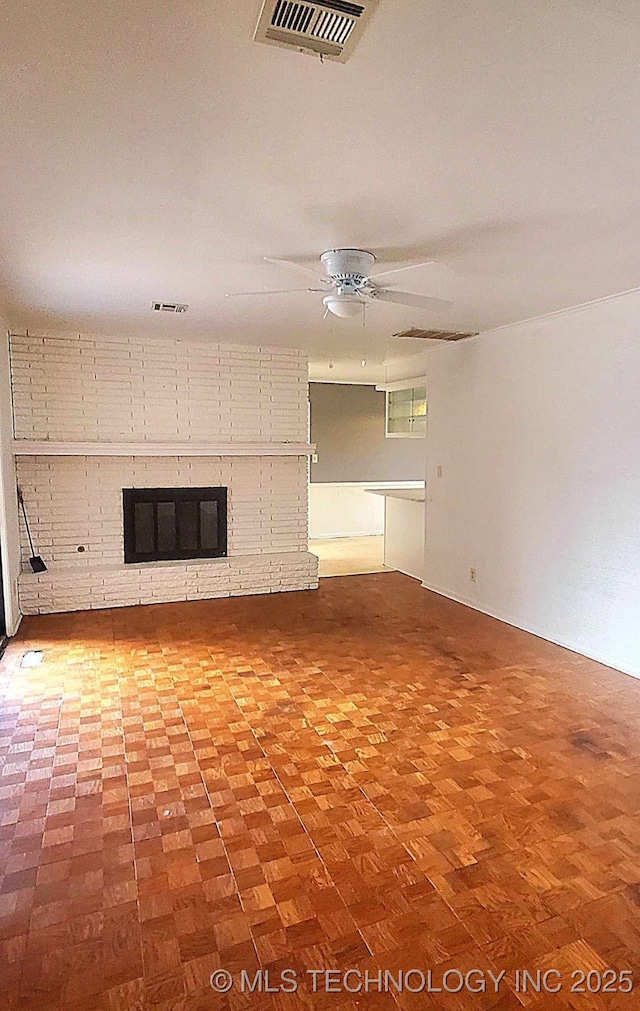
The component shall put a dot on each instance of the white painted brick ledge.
(64, 589)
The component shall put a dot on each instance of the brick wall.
(80, 389)
(75, 389)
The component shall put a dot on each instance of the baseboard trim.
(351, 533)
(338, 537)
(607, 661)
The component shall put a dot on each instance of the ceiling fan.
(350, 286)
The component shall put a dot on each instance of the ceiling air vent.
(329, 29)
(432, 335)
(169, 307)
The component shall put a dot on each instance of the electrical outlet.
(314, 458)
(439, 470)
(473, 575)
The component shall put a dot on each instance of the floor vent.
(329, 29)
(32, 658)
(414, 333)
(169, 307)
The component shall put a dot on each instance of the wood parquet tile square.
(367, 778)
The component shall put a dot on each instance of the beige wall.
(535, 431)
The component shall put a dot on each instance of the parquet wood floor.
(365, 777)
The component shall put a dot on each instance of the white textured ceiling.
(153, 150)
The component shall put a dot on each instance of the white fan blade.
(296, 266)
(283, 291)
(408, 298)
(411, 266)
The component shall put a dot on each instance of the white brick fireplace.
(94, 415)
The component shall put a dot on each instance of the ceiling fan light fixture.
(344, 305)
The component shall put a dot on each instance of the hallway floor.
(349, 556)
(364, 777)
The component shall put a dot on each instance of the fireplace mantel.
(28, 447)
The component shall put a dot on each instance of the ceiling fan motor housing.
(348, 270)
(348, 267)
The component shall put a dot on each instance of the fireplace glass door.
(163, 524)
